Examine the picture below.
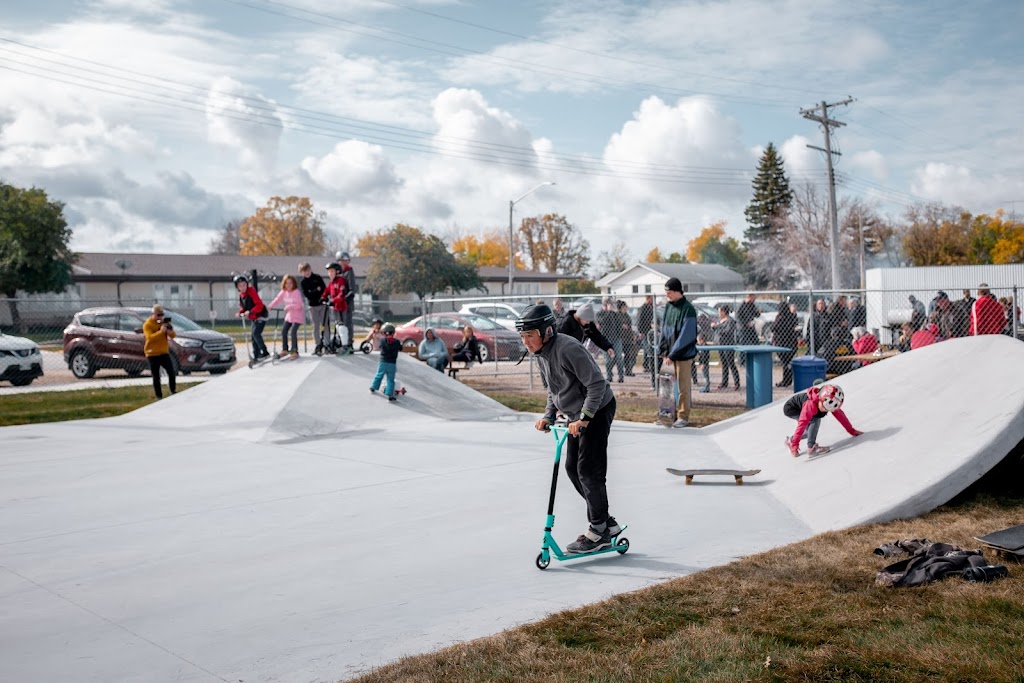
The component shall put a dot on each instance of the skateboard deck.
(666, 399)
(1010, 540)
(690, 474)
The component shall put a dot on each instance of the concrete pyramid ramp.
(935, 420)
(283, 524)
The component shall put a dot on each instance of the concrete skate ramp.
(283, 524)
(310, 398)
(935, 420)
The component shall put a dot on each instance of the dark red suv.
(112, 338)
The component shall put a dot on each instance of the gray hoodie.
(431, 349)
(576, 386)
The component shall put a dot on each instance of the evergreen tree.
(772, 198)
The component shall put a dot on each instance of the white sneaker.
(680, 423)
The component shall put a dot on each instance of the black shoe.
(392, 398)
(589, 542)
(613, 527)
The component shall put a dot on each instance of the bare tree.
(228, 240)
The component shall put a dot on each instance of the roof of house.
(706, 273)
(217, 267)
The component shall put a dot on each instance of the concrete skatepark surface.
(285, 525)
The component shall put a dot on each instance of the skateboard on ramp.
(690, 474)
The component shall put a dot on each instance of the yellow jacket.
(156, 338)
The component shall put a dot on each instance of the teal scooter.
(550, 547)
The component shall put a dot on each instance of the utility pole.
(827, 125)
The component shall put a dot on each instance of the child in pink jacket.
(807, 408)
(294, 315)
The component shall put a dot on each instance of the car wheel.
(768, 333)
(133, 372)
(82, 366)
(22, 380)
(409, 344)
(485, 353)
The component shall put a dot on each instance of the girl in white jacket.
(294, 314)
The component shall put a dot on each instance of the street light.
(860, 236)
(511, 240)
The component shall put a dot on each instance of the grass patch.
(628, 408)
(58, 406)
(804, 612)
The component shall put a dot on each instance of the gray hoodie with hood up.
(431, 349)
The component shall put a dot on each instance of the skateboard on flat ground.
(690, 474)
(666, 399)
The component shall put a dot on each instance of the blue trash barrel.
(806, 369)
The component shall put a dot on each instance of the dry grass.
(58, 406)
(805, 612)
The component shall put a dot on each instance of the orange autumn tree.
(284, 227)
(489, 250)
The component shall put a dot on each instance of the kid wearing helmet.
(807, 408)
(336, 293)
(389, 350)
(374, 336)
(251, 306)
(577, 389)
(349, 274)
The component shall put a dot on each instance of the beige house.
(200, 286)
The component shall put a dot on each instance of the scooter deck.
(620, 544)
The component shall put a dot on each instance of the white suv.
(505, 315)
(20, 360)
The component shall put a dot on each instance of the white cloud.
(962, 186)
(353, 171)
(469, 127)
(242, 119)
(871, 161)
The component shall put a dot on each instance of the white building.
(640, 279)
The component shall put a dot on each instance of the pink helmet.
(831, 397)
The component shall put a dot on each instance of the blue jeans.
(259, 348)
(293, 330)
(619, 361)
(385, 370)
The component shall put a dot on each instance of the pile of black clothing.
(933, 561)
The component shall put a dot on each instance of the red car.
(112, 338)
(448, 327)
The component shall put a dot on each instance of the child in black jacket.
(389, 350)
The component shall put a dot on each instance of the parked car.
(20, 360)
(763, 323)
(494, 339)
(112, 338)
(501, 313)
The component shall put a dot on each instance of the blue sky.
(156, 121)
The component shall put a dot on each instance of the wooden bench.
(453, 371)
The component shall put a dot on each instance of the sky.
(157, 121)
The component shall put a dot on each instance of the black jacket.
(389, 350)
(313, 289)
(572, 327)
(784, 329)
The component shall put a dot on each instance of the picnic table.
(869, 356)
(759, 369)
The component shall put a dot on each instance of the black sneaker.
(590, 541)
(392, 398)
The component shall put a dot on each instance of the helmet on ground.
(342, 256)
(388, 330)
(831, 397)
(240, 278)
(333, 266)
(537, 317)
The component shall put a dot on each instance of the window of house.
(636, 289)
(647, 289)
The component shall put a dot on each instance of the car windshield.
(480, 322)
(181, 323)
(768, 306)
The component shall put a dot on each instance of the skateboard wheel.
(543, 564)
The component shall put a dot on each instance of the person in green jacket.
(679, 345)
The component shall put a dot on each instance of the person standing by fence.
(313, 287)
(786, 334)
(159, 331)
(678, 345)
(987, 316)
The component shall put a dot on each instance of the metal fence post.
(1013, 312)
(810, 321)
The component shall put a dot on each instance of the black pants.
(157, 362)
(586, 463)
(786, 358)
(728, 362)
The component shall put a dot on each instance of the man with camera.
(159, 331)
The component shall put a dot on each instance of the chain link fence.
(37, 333)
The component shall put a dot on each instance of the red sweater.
(987, 316)
(251, 304)
(335, 293)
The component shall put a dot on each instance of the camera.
(166, 321)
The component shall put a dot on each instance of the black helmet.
(377, 320)
(388, 329)
(537, 317)
(342, 256)
(240, 278)
(333, 266)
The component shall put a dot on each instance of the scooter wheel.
(622, 546)
(365, 347)
(541, 562)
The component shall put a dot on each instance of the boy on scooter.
(577, 389)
